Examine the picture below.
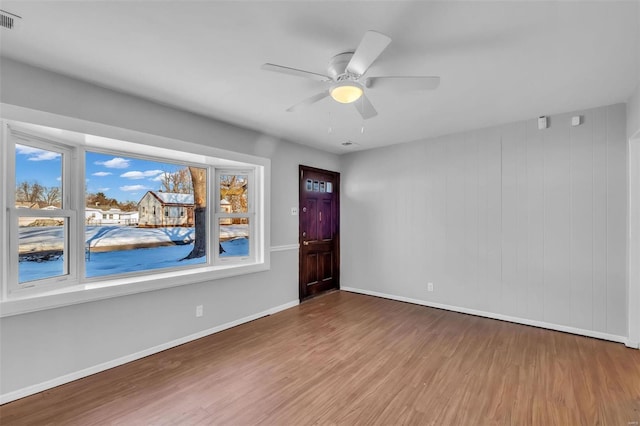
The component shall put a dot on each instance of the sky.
(119, 177)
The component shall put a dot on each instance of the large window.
(128, 239)
(79, 215)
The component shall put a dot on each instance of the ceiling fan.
(345, 75)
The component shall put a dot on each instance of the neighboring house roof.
(173, 198)
(224, 202)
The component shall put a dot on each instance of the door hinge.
(301, 174)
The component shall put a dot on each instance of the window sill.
(89, 292)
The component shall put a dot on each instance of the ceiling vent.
(9, 20)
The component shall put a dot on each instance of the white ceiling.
(499, 61)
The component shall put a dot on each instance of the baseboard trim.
(33, 389)
(517, 320)
(631, 344)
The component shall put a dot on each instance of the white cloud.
(129, 188)
(59, 178)
(101, 174)
(135, 174)
(114, 163)
(36, 154)
(158, 178)
(103, 189)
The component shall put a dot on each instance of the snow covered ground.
(112, 262)
(42, 238)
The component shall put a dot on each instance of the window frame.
(68, 211)
(78, 288)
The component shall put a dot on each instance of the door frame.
(336, 177)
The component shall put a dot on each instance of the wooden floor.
(351, 359)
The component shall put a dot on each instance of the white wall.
(41, 347)
(633, 113)
(633, 104)
(510, 221)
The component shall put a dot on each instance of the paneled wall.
(510, 220)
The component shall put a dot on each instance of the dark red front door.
(319, 231)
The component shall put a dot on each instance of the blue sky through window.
(124, 178)
(119, 177)
(38, 165)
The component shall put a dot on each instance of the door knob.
(306, 243)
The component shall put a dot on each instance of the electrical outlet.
(294, 211)
(199, 311)
(429, 286)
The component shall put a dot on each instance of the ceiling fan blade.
(370, 47)
(365, 107)
(295, 71)
(403, 83)
(312, 100)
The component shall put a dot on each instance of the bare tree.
(177, 182)
(29, 192)
(233, 188)
(100, 200)
(52, 196)
(129, 206)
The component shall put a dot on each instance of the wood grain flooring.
(351, 359)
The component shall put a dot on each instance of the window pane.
(234, 237)
(41, 248)
(233, 193)
(142, 215)
(38, 178)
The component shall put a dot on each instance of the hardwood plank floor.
(352, 359)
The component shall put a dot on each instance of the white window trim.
(68, 211)
(106, 287)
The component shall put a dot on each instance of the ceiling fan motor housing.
(337, 68)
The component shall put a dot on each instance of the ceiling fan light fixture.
(346, 92)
